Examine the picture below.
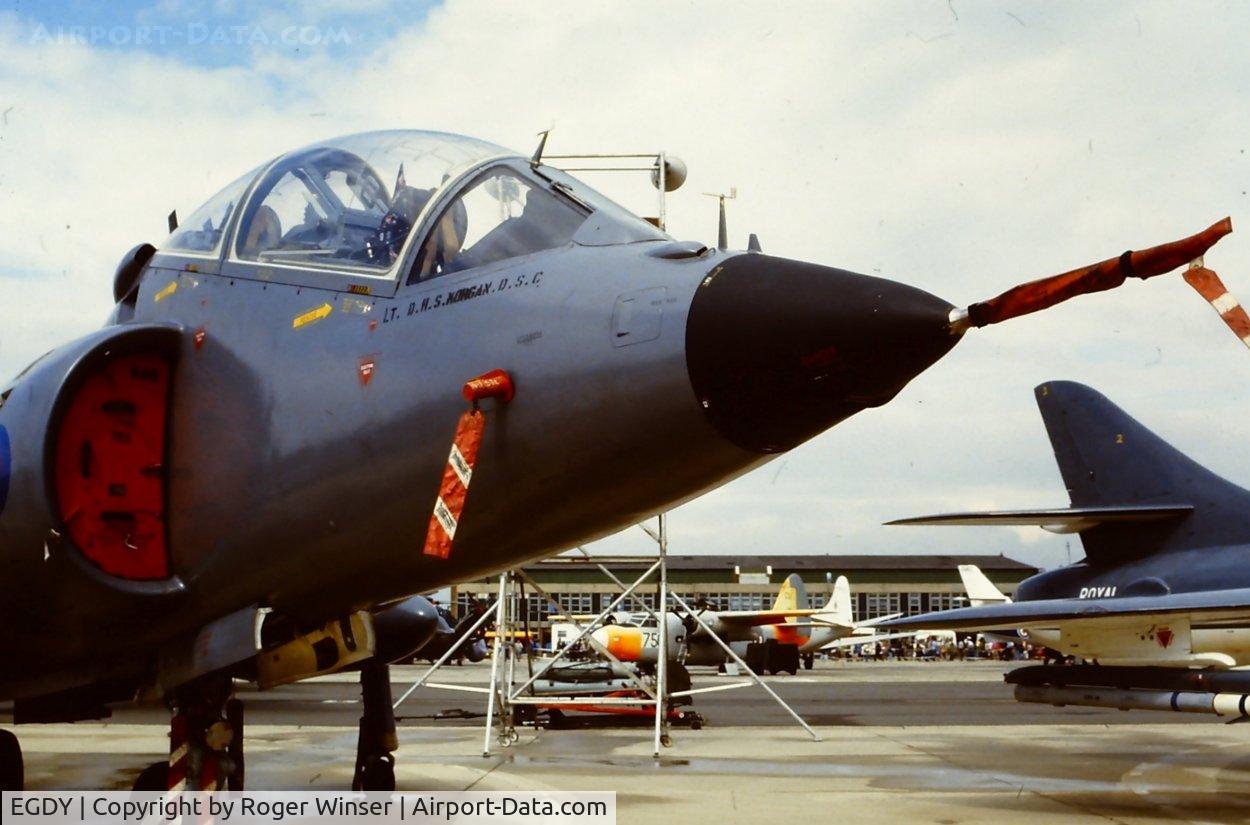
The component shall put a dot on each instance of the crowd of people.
(943, 648)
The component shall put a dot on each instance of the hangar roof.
(837, 563)
(754, 569)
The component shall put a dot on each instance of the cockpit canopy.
(352, 203)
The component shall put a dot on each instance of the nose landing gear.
(205, 741)
(377, 741)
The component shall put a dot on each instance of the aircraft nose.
(625, 643)
(780, 350)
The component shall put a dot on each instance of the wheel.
(809, 661)
(155, 777)
(12, 774)
(378, 774)
(696, 723)
(666, 740)
(678, 679)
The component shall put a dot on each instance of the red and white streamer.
(454, 488)
(1209, 286)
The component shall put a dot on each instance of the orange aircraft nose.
(625, 643)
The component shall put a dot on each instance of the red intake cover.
(109, 467)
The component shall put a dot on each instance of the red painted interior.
(109, 467)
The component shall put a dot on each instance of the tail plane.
(979, 587)
(1132, 494)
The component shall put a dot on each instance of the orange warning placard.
(455, 485)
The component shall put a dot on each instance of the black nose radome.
(781, 350)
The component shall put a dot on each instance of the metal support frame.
(599, 648)
(504, 695)
(500, 633)
(661, 539)
(504, 687)
(662, 737)
(442, 660)
(585, 630)
(740, 663)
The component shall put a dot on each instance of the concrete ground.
(901, 742)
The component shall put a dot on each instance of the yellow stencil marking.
(312, 316)
(167, 290)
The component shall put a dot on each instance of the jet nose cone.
(781, 350)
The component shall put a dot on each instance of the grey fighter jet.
(272, 440)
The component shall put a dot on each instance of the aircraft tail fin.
(839, 604)
(979, 587)
(1108, 459)
(792, 595)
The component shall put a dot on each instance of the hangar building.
(880, 585)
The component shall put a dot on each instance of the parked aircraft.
(981, 591)
(789, 634)
(235, 474)
(1159, 608)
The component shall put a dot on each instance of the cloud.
(960, 154)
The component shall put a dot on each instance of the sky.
(957, 146)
